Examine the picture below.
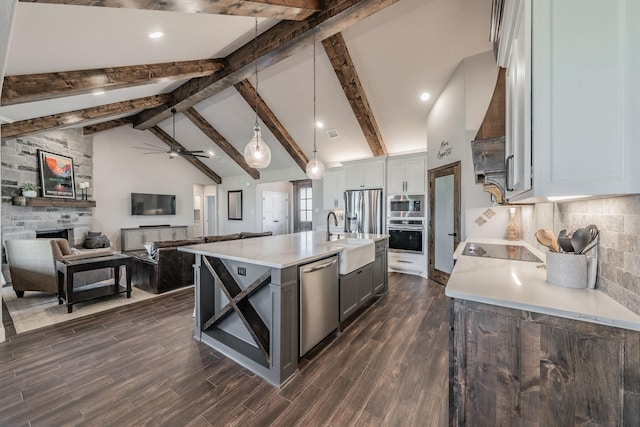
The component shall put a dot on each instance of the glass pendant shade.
(257, 153)
(315, 168)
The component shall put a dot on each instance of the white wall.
(250, 211)
(454, 121)
(119, 170)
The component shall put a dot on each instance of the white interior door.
(444, 224)
(211, 215)
(275, 208)
(444, 220)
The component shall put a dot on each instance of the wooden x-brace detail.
(239, 302)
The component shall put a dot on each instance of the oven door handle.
(396, 228)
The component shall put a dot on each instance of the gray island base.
(247, 298)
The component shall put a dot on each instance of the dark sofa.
(170, 268)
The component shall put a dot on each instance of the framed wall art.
(56, 175)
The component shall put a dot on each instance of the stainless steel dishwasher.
(319, 301)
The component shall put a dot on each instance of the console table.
(132, 239)
(67, 268)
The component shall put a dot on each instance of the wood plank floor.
(139, 365)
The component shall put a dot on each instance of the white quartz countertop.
(281, 251)
(522, 285)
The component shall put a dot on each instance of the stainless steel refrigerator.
(363, 211)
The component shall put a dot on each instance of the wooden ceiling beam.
(295, 10)
(78, 117)
(99, 127)
(215, 136)
(270, 120)
(347, 74)
(173, 144)
(274, 45)
(38, 87)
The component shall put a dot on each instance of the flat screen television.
(153, 204)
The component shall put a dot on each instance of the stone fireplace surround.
(20, 165)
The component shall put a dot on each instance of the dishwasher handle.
(320, 267)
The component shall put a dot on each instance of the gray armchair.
(32, 264)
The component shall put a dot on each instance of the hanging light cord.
(173, 113)
(315, 131)
(255, 54)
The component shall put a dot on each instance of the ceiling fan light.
(257, 153)
(315, 168)
(173, 154)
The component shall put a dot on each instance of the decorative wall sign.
(480, 221)
(444, 150)
(489, 213)
(56, 175)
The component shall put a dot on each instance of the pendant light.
(315, 167)
(257, 153)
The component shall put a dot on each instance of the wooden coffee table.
(67, 268)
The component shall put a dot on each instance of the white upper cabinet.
(333, 190)
(369, 174)
(516, 52)
(576, 104)
(406, 176)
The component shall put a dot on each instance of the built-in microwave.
(406, 205)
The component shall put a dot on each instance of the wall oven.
(406, 205)
(406, 235)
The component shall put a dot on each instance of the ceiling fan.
(173, 152)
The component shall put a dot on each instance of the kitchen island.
(525, 352)
(247, 297)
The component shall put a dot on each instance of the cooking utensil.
(593, 231)
(563, 233)
(591, 245)
(580, 239)
(546, 238)
(565, 243)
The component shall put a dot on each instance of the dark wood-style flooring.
(139, 365)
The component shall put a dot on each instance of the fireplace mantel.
(52, 202)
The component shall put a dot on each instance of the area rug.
(38, 309)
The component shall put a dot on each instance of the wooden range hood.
(488, 147)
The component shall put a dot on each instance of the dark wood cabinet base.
(513, 367)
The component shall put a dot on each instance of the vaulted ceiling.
(373, 60)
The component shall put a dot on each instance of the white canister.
(567, 270)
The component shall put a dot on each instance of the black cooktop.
(490, 250)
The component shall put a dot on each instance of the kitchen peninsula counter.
(247, 297)
(281, 251)
(525, 352)
(522, 285)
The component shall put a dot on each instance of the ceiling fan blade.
(194, 151)
(155, 152)
(191, 154)
(147, 148)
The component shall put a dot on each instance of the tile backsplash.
(618, 219)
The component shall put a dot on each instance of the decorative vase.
(513, 231)
(30, 193)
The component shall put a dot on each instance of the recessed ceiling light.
(156, 35)
(98, 92)
(425, 96)
(319, 124)
(211, 153)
